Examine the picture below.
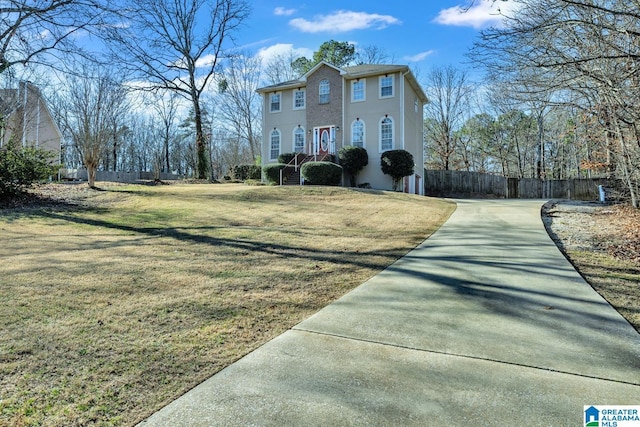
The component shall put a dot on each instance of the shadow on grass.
(358, 259)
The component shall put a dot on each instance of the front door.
(325, 141)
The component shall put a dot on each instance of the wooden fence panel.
(462, 183)
(441, 182)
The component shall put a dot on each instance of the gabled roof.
(353, 72)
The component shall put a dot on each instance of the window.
(357, 90)
(298, 99)
(275, 102)
(324, 92)
(386, 86)
(357, 133)
(386, 134)
(275, 144)
(298, 140)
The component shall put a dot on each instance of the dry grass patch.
(113, 308)
(603, 243)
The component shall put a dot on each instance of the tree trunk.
(201, 154)
(91, 175)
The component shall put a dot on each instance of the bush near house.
(22, 167)
(245, 172)
(286, 157)
(272, 171)
(321, 173)
(398, 164)
(353, 159)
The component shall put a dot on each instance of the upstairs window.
(386, 134)
(324, 91)
(275, 102)
(299, 99)
(386, 86)
(357, 133)
(357, 90)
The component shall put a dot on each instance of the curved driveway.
(485, 323)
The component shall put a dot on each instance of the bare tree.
(372, 54)
(279, 68)
(166, 109)
(90, 106)
(449, 94)
(31, 28)
(176, 45)
(587, 51)
(240, 104)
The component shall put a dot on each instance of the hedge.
(245, 172)
(321, 173)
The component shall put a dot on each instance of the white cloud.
(419, 56)
(281, 11)
(282, 49)
(206, 61)
(481, 14)
(342, 21)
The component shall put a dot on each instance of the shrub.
(272, 171)
(22, 167)
(286, 157)
(245, 172)
(398, 164)
(321, 173)
(353, 159)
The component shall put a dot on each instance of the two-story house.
(378, 107)
(25, 120)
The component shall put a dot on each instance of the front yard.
(118, 301)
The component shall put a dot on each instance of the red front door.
(325, 141)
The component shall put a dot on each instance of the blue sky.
(418, 33)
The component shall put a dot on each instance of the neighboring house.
(25, 120)
(378, 107)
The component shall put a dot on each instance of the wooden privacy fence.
(461, 183)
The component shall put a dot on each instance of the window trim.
(380, 125)
(304, 98)
(393, 88)
(363, 133)
(271, 135)
(321, 85)
(271, 95)
(364, 90)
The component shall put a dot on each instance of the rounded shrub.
(398, 164)
(353, 159)
(272, 171)
(321, 173)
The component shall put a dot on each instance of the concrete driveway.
(485, 323)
